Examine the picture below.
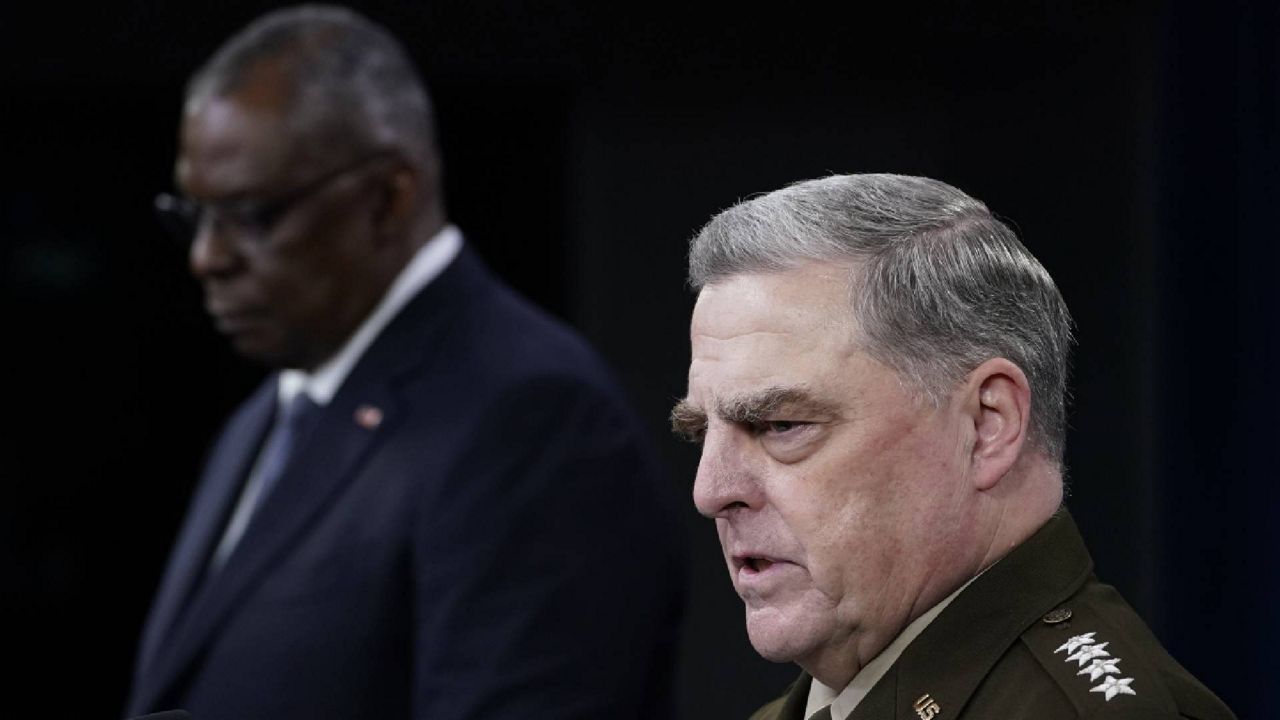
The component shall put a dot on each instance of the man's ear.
(397, 202)
(998, 402)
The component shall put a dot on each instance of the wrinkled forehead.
(227, 148)
(254, 128)
(234, 144)
(813, 298)
(770, 329)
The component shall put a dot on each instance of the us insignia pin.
(368, 417)
(926, 707)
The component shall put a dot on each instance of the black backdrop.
(1134, 146)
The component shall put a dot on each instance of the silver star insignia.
(1100, 667)
(1089, 652)
(1075, 642)
(1114, 686)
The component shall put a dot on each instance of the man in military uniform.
(877, 380)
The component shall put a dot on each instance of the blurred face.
(285, 248)
(839, 498)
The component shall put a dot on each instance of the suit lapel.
(205, 518)
(879, 703)
(325, 462)
(796, 699)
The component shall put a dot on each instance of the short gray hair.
(348, 75)
(941, 286)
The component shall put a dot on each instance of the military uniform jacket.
(1035, 636)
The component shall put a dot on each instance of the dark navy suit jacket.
(495, 547)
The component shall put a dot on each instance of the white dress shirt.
(322, 384)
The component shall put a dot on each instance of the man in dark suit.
(878, 379)
(440, 506)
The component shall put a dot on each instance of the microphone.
(166, 715)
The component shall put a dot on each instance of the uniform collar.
(844, 702)
(952, 656)
(947, 661)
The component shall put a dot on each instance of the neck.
(1021, 503)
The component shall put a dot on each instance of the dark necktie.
(823, 714)
(292, 423)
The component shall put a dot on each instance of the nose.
(212, 253)
(726, 480)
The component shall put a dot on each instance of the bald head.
(341, 83)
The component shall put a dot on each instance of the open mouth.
(757, 564)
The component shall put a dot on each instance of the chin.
(780, 637)
(267, 349)
(250, 348)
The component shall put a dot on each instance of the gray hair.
(941, 285)
(349, 77)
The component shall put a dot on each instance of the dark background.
(1133, 146)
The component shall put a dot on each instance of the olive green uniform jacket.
(1035, 636)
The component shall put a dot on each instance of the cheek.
(296, 288)
(845, 522)
(820, 513)
(829, 497)
(277, 274)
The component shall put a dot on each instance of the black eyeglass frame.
(255, 219)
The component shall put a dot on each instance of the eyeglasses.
(250, 219)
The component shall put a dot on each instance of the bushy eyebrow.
(762, 404)
(690, 421)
